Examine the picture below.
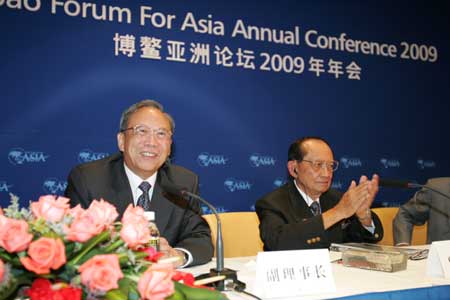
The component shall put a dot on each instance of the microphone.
(398, 183)
(230, 275)
(405, 184)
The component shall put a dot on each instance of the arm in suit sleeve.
(76, 189)
(283, 227)
(194, 234)
(278, 233)
(357, 233)
(414, 212)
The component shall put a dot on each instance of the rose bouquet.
(52, 251)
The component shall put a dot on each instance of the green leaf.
(11, 288)
(115, 295)
(89, 245)
(193, 293)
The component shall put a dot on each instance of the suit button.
(376, 235)
(313, 240)
(308, 241)
(318, 239)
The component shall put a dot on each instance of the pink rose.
(135, 234)
(84, 227)
(133, 213)
(44, 254)
(92, 221)
(101, 273)
(104, 212)
(14, 235)
(50, 208)
(2, 270)
(76, 212)
(156, 283)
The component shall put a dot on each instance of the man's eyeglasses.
(317, 165)
(142, 131)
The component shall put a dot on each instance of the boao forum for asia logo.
(5, 187)
(87, 155)
(256, 160)
(279, 182)
(423, 164)
(233, 185)
(54, 186)
(19, 156)
(350, 162)
(206, 159)
(390, 163)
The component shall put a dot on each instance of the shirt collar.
(135, 181)
(307, 198)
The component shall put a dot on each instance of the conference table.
(351, 283)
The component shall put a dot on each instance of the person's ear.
(121, 141)
(292, 168)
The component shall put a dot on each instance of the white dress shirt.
(135, 181)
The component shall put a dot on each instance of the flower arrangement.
(52, 251)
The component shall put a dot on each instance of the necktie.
(144, 199)
(315, 208)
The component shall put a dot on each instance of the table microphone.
(405, 184)
(230, 281)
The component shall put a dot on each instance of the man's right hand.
(350, 202)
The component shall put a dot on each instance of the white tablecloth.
(349, 281)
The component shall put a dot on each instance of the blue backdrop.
(242, 79)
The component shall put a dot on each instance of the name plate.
(438, 264)
(293, 273)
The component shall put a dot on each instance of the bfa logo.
(54, 186)
(279, 182)
(5, 187)
(337, 185)
(207, 211)
(390, 163)
(422, 164)
(257, 160)
(88, 155)
(205, 159)
(232, 185)
(19, 156)
(348, 162)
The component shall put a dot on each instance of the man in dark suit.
(133, 176)
(305, 213)
(425, 206)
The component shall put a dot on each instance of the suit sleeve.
(357, 233)
(195, 235)
(414, 212)
(279, 234)
(76, 190)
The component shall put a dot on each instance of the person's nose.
(325, 171)
(150, 139)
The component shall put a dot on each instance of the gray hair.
(144, 103)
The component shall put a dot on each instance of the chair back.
(240, 233)
(387, 215)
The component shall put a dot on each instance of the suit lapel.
(120, 186)
(300, 209)
(161, 206)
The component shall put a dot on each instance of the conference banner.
(242, 80)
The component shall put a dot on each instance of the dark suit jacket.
(179, 222)
(425, 206)
(286, 222)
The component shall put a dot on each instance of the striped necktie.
(315, 208)
(144, 199)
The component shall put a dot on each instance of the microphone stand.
(230, 275)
